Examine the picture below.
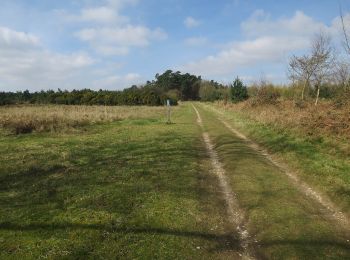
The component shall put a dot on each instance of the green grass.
(286, 224)
(135, 189)
(321, 162)
(143, 189)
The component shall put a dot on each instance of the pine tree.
(238, 91)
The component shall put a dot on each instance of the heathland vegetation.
(140, 188)
(82, 176)
(57, 118)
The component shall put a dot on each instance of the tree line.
(169, 85)
(317, 74)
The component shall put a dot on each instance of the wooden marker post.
(168, 111)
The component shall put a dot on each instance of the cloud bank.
(267, 41)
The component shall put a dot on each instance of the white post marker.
(169, 110)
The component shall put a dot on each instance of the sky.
(113, 44)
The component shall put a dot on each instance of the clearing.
(142, 189)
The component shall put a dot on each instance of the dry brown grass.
(26, 119)
(322, 120)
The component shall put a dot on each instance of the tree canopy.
(169, 85)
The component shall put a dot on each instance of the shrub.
(238, 91)
(342, 99)
(57, 118)
(265, 94)
(23, 128)
(300, 104)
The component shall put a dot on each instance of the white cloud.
(246, 53)
(107, 13)
(300, 25)
(261, 24)
(336, 27)
(118, 82)
(118, 4)
(118, 40)
(267, 42)
(111, 50)
(111, 33)
(25, 63)
(121, 36)
(191, 22)
(101, 14)
(10, 39)
(196, 41)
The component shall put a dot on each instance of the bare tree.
(314, 67)
(301, 69)
(323, 60)
(342, 74)
(345, 32)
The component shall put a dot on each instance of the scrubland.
(45, 118)
(313, 140)
(121, 183)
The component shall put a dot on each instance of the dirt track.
(247, 172)
(332, 210)
(235, 214)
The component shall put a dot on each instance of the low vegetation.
(44, 118)
(140, 188)
(82, 176)
(325, 121)
(283, 223)
(314, 141)
(131, 189)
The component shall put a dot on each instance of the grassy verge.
(60, 118)
(319, 161)
(132, 189)
(285, 223)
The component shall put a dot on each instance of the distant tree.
(345, 32)
(26, 95)
(342, 74)
(322, 53)
(187, 84)
(211, 91)
(301, 69)
(315, 66)
(238, 91)
(208, 92)
(169, 85)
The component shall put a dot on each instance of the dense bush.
(185, 85)
(211, 91)
(238, 91)
(264, 94)
(342, 98)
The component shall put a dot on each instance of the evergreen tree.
(238, 91)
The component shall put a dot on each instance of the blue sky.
(112, 44)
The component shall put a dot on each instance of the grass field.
(319, 154)
(285, 223)
(138, 188)
(127, 189)
(57, 118)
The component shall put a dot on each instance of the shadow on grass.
(118, 178)
(224, 242)
(26, 176)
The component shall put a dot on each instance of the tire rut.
(332, 211)
(236, 215)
